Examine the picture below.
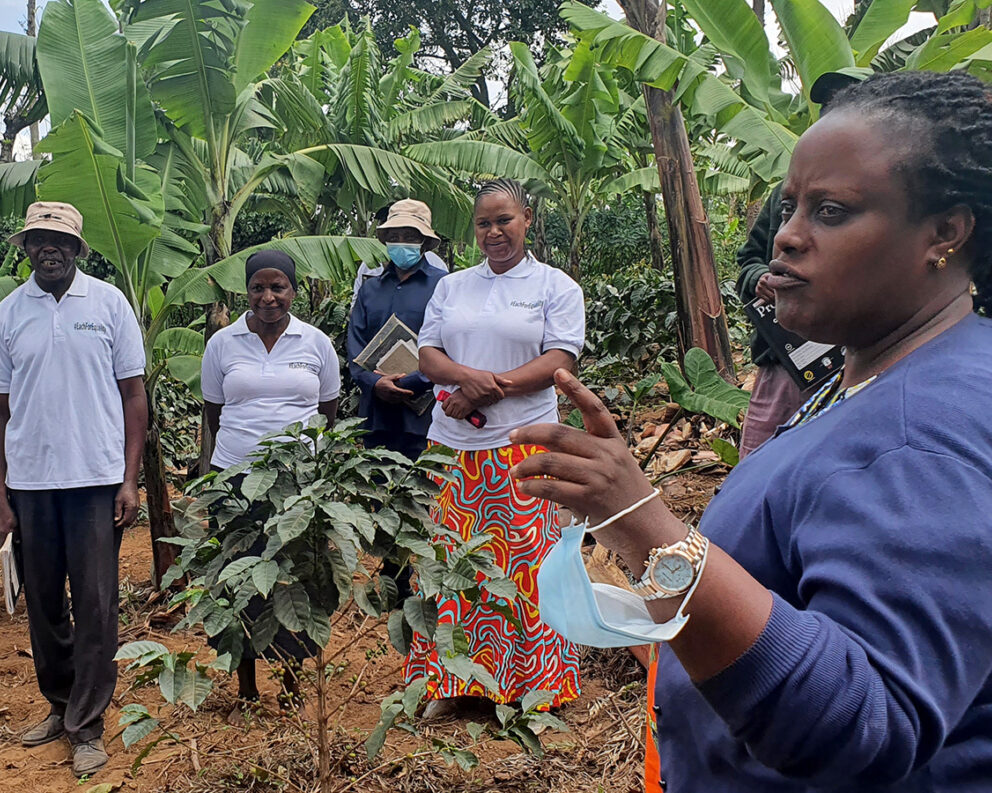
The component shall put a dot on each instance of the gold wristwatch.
(672, 569)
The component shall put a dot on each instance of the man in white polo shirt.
(73, 416)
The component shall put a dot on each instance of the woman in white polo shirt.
(262, 373)
(492, 337)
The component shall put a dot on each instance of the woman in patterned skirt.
(492, 337)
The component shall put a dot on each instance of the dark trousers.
(410, 446)
(71, 534)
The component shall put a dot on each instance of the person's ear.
(528, 216)
(951, 231)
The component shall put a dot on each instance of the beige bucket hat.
(412, 215)
(52, 216)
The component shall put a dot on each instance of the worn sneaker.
(88, 757)
(51, 729)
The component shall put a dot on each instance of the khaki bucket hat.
(410, 214)
(52, 216)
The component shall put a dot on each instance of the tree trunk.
(759, 10)
(160, 520)
(656, 243)
(32, 30)
(218, 316)
(540, 236)
(702, 322)
(574, 258)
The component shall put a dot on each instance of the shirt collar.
(390, 269)
(521, 270)
(79, 287)
(240, 326)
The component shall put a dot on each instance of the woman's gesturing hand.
(592, 473)
(482, 388)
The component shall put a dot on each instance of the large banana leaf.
(17, 181)
(333, 259)
(120, 216)
(272, 28)
(358, 112)
(960, 14)
(733, 27)
(646, 179)
(816, 40)
(191, 62)
(461, 80)
(881, 20)
(649, 61)
(429, 118)
(547, 128)
(946, 51)
(20, 84)
(590, 99)
(296, 175)
(479, 159)
(85, 65)
(658, 65)
(173, 251)
(398, 73)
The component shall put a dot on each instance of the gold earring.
(941, 263)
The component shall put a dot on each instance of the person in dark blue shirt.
(404, 289)
(840, 636)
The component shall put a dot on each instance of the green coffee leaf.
(291, 605)
(421, 613)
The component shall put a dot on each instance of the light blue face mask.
(404, 255)
(597, 615)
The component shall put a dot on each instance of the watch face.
(672, 573)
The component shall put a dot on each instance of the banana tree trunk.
(702, 322)
(160, 519)
(655, 242)
(540, 235)
(574, 259)
(218, 316)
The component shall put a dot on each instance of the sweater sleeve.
(890, 643)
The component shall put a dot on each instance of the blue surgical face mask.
(404, 255)
(597, 615)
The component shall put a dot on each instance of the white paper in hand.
(8, 571)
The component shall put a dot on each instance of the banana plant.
(572, 129)
(377, 116)
(22, 96)
(745, 103)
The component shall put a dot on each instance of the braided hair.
(945, 123)
(510, 187)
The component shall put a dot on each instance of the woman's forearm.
(437, 367)
(538, 374)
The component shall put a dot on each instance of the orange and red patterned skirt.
(483, 499)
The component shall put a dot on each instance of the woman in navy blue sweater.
(840, 631)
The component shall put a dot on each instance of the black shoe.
(51, 729)
(88, 757)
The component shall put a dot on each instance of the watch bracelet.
(695, 544)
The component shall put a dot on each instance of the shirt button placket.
(58, 334)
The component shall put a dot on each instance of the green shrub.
(630, 323)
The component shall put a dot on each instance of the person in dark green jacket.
(775, 396)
